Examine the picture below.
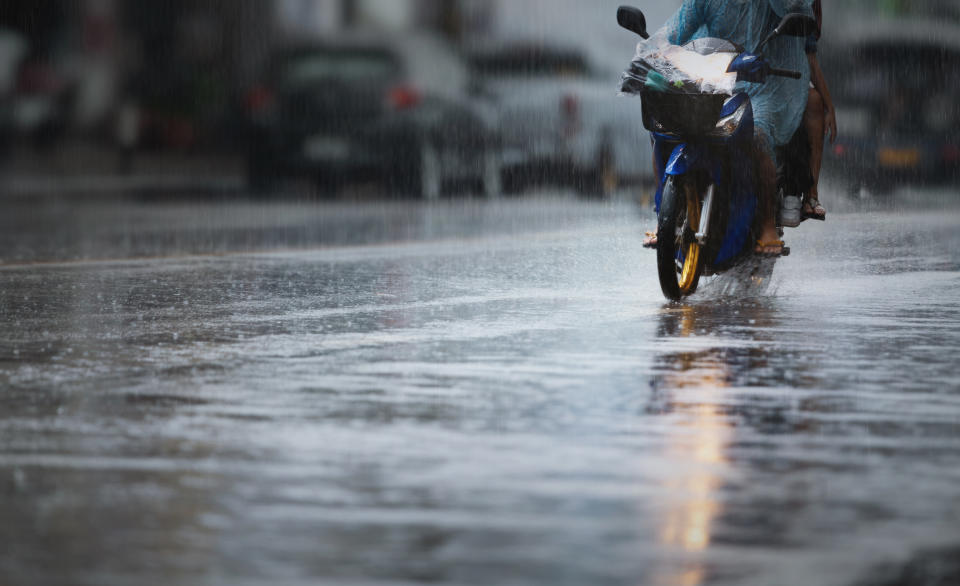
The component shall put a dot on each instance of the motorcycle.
(706, 204)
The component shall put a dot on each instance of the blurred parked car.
(35, 97)
(560, 119)
(897, 88)
(42, 102)
(396, 109)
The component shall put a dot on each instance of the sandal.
(650, 240)
(762, 248)
(812, 210)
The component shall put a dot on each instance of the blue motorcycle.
(701, 128)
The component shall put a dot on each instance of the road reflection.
(685, 389)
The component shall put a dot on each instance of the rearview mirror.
(797, 25)
(633, 20)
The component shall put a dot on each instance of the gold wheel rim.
(689, 271)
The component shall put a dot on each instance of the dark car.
(36, 97)
(393, 109)
(896, 86)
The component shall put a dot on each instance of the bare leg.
(814, 121)
(766, 171)
(650, 239)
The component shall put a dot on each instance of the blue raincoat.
(778, 104)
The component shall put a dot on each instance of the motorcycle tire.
(679, 262)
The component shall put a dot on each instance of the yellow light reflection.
(691, 577)
(697, 447)
(699, 451)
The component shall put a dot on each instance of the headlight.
(709, 72)
(727, 125)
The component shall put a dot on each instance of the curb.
(14, 187)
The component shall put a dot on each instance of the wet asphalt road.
(471, 393)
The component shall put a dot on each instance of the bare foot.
(813, 209)
(769, 243)
(650, 240)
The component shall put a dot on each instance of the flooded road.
(472, 393)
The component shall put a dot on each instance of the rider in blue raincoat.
(779, 103)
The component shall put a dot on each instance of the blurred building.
(180, 61)
(841, 13)
(318, 17)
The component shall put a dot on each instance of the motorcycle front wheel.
(678, 253)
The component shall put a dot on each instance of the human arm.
(685, 22)
(820, 83)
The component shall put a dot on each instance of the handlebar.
(784, 73)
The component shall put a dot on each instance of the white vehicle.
(558, 119)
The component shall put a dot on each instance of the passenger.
(778, 104)
(820, 119)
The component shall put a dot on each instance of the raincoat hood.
(784, 7)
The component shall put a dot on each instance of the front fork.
(705, 214)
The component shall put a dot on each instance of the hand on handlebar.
(752, 67)
(830, 123)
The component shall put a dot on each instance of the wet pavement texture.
(472, 393)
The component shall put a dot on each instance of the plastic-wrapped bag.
(698, 67)
(779, 103)
(683, 88)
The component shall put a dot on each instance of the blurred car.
(896, 85)
(353, 108)
(35, 94)
(42, 101)
(559, 118)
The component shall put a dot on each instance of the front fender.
(687, 158)
(684, 158)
